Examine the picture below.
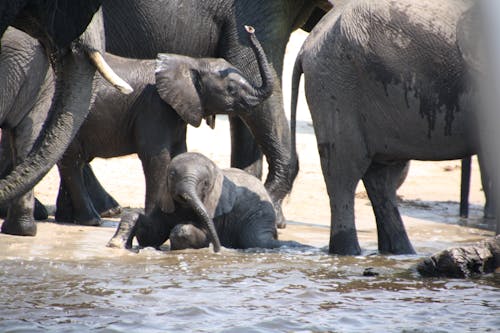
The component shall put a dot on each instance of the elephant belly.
(404, 126)
(142, 29)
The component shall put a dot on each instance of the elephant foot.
(344, 242)
(118, 242)
(398, 248)
(92, 222)
(280, 218)
(124, 235)
(19, 228)
(40, 212)
(112, 212)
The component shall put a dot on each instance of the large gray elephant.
(144, 28)
(204, 204)
(60, 28)
(386, 82)
(152, 121)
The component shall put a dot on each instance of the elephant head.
(200, 88)
(59, 26)
(195, 183)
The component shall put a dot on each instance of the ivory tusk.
(108, 74)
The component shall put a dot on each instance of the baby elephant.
(168, 93)
(205, 204)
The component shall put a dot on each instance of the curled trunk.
(266, 89)
(199, 208)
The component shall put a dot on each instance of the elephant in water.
(386, 82)
(168, 93)
(204, 204)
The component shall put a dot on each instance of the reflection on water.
(286, 290)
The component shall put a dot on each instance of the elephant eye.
(232, 89)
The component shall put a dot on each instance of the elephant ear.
(215, 198)
(470, 37)
(177, 83)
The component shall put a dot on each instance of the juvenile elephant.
(169, 92)
(204, 204)
(386, 82)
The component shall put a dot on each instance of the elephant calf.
(168, 93)
(204, 204)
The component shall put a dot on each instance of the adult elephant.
(57, 25)
(143, 28)
(386, 82)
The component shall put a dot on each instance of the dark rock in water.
(463, 261)
(370, 272)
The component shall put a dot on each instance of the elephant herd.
(385, 81)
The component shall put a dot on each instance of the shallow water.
(237, 291)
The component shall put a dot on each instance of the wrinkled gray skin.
(386, 82)
(144, 28)
(60, 26)
(152, 121)
(26, 91)
(199, 193)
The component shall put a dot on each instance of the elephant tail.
(297, 73)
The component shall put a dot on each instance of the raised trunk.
(74, 76)
(199, 208)
(266, 89)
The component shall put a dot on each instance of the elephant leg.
(381, 182)
(19, 218)
(342, 174)
(152, 230)
(64, 206)
(40, 211)
(125, 232)
(71, 174)
(187, 236)
(245, 154)
(487, 184)
(155, 172)
(258, 230)
(103, 202)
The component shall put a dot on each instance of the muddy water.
(107, 290)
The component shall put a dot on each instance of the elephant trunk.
(297, 73)
(73, 93)
(266, 89)
(194, 202)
